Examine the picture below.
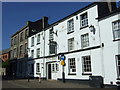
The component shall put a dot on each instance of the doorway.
(49, 71)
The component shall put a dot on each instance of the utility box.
(96, 81)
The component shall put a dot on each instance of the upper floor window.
(84, 40)
(11, 54)
(72, 65)
(83, 20)
(15, 52)
(21, 50)
(38, 52)
(86, 64)
(70, 44)
(26, 33)
(32, 53)
(38, 39)
(118, 65)
(51, 34)
(15, 41)
(116, 29)
(32, 41)
(21, 36)
(25, 48)
(70, 25)
(53, 47)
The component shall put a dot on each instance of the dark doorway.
(49, 71)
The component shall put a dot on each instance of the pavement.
(34, 83)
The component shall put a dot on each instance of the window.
(71, 65)
(70, 25)
(116, 29)
(55, 67)
(51, 34)
(38, 52)
(53, 47)
(86, 64)
(70, 44)
(32, 53)
(32, 41)
(21, 36)
(118, 65)
(21, 48)
(84, 40)
(25, 48)
(14, 40)
(26, 33)
(37, 67)
(15, 52)
(84, 20)
(38, 39)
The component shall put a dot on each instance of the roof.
(4, 51)
(110, 14)
(73, 14)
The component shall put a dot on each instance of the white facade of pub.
(87, 52)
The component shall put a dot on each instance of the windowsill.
(118, 79)
(32, 45)
(116, 40)
(83, 27)
(86, 73)
(70, 32)
(38, 43)
(71, 73)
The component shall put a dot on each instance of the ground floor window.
(86, 65)
(71, 65)
(37, 67)
(55, 67)
(118, 65)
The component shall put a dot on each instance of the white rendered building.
(83, 48)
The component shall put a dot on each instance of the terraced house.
(88, 38)
(19, 47)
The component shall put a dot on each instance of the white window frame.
(32, 53)
(70, 44)
(38, 53)
(38, 39)
(51, 36)
(84, 21)
(70, 25)
(117, 65)
(32, 41)
(84, 40)
(55, 67)
(86, 65)
(37, 67)
(72, 65)
(116, 29)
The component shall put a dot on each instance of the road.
(34, 83)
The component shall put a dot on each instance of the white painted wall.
(110, 49)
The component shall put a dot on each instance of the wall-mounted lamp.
(92, 29)
(54, 33)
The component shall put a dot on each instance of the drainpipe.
(43, 21)
(101, 51)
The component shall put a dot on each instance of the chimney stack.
(111, 5)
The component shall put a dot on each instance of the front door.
(49, 71)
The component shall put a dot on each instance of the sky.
(16, 14)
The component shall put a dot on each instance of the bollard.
(13, 76)
(39, 78)
(28, 78)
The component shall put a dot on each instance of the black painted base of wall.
(79, 81)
